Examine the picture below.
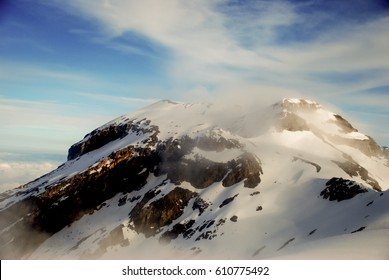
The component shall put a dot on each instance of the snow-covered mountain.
(175, 180)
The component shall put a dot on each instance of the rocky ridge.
(124, 171)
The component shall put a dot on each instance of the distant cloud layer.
(14, 174)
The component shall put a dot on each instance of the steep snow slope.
(174, 180)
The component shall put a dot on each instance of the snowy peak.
(301, 114)
(332, 128)
(314, 115)
(187, 179)
(298, 104)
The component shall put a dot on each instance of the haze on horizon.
(67, 67)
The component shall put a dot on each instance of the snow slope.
(178, 180)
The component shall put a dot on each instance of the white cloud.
(362, 47)
(215, 43)
(13, 174)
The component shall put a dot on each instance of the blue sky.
(67, 67)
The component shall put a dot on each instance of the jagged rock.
(341, 189)
(227, 201)
(234, 219)
(205, 224)
(209, 234)
(343, 124)
(217, 143)
(100, 137)
(200, 204)
(201, 172)
(245, 167)
(70, 199)
(180, 228)
(122, 200)
(255, 193)
(148, 220)
(354, 170)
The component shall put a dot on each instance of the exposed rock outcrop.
(201, 172)
(148, 220)
(344, 125)
(355, 170)
(69, 199)
(341, 189)
(367, 146)
(100, 137)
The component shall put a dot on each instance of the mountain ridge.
(180, 177)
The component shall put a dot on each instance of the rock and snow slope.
(174, 180)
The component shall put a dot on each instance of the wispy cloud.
(218, 41)
(44, 126)
(123, 100)
(14, 71)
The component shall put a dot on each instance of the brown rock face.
(344, 125)
(40, 216)
(100, 137)
(201, 172)
(159, 213)
(247, 168)
(367, 146)
(355, 170)
(289, 119)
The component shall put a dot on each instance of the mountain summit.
(177, 180)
